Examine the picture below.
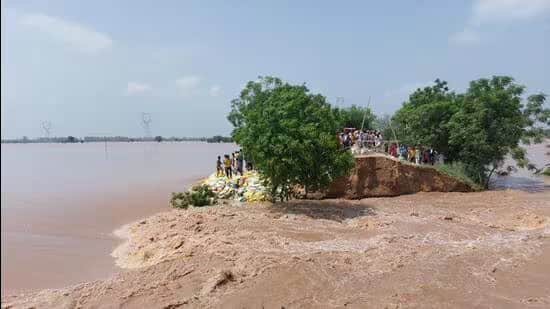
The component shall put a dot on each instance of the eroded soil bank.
(381, 175)
(435, 250)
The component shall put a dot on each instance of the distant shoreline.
(121, 139)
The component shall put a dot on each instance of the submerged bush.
(200, 195)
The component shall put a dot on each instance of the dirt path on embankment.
(434, 250)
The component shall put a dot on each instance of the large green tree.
(492, 122)
(290, 134)
(479, 127)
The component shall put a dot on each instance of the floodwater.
(61, 203)
(522, 179)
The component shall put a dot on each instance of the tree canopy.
(479, 127)
(353, 116)
(290, 134)
(423, 118)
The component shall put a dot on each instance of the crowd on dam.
(361, 142)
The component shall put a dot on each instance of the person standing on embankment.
(239, 163)
(227, 165)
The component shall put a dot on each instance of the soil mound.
(380, 175)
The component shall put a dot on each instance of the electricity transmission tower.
(46, 126)
(146, 123)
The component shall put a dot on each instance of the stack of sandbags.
(245, 188)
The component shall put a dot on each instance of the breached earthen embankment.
(381, 175)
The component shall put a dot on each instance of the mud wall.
(379, 175)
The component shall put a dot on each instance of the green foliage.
(458, 170)
(546, 171)
(352, 117)
(290, 135)
(200, 195)
(422, 120)
(479, 127)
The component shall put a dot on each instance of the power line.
(46, 126)
(146, 123)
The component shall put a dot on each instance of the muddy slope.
(427, 250)
(379, 175)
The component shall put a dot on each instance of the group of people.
(350, 137)
(365, 141)
(414, 154)
(232, 164)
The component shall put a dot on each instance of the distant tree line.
(91, 139)
(219, 139)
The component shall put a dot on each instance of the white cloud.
(485, 12)
(465, 37)
(136, 87)
(407, 89)
(188, 84)
(74, 34)
(492, 11)
(215, 91)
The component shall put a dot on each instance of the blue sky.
(92, 67)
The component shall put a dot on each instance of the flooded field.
(61, 202)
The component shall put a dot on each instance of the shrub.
(199, 195)
(458, 170)
(179, 200)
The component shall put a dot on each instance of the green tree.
(290, 135)
(478, 128)
(352, 117)
(158, 138)
(423, 118)
(492, 123)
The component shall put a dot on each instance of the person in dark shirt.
(219, 168)
(239, 159)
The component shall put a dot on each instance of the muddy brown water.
(523, 179)
(61, 202)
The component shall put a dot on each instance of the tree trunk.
(489, 177)
(274, 193)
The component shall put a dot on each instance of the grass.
(458, 170)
